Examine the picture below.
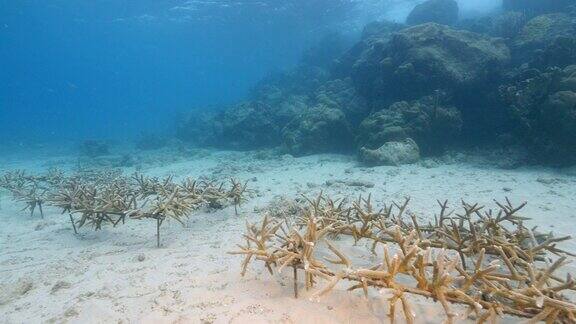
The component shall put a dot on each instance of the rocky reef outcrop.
(318, 130)
(403, 91)
(432, 125)
(434, 11)
(248, 125)
(543, 37)
(542, 107)
(420, 59)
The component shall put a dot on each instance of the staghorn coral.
(109, 198)
(487, 260)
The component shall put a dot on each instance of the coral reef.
(320, 129)
(247, 125)
(416, 61)
(432, 125)
(379, 90)
(485, 259)
(542, 108)
(107, 197)
(340, 94)
(540, 33)
(443, 12)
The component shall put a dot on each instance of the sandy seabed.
(117, 275)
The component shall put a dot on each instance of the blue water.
(111, 69)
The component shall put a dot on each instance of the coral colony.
(488, 260)
(107, 197)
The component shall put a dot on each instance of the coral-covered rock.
(432, 125)
(561, 53)
(542, 109)
(341, 94)
(541, 32)
(436, 11)
(319, 129)
(559, 122)
(246, 126)
(391, 153)
(423, 58)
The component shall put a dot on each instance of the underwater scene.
(295, 161)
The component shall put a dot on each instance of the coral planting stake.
(295, 282)
(73, 225)
(158, 232)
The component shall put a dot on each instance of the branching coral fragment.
(486, 260)
(108, 197)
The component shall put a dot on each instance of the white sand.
(47, 274)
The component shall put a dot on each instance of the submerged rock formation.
(499, 80)
(434, 11)
(391, 153)
(245, 126)
(542, 106)
(320, 129)
(421, 59)
(432, 125)
(541, 34)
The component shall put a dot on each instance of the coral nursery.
(107, 197)
(488, 260)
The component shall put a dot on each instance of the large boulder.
(542, 110)
(391, 153)
(432, 125)
(420, 59)
(319, 129)
(436, 11)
